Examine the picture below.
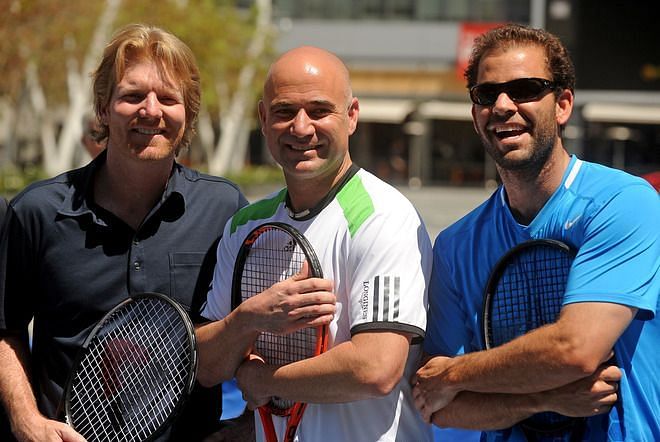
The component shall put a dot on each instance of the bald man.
(375, 253)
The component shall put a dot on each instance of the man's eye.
(319, 113)
(132, 98)
(284, 113)
(169, 100)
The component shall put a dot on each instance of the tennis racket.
(134, 371)
(271, 253)
(525, 290)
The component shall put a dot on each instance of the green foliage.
(13, 180)
(54, 37)
(48, 33)
(258, 176)
(52, 32)
(252, 179)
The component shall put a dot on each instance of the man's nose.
(151, 106)
(302, 124)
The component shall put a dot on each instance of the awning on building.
(394, 111)
(384, 110)
(621, 113)
(445, 110)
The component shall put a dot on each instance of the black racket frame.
(574, 425)
(306, 247)
(191, 376)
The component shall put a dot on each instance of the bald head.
(307, 62)
(307, 115)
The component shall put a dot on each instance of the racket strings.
(132, 376)
(529, 293)
(273, 257)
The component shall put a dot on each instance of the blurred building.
(407, 56)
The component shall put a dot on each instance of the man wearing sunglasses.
(521, 83)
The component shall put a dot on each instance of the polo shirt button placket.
(137, 254)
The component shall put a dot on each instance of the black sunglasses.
(519, 90)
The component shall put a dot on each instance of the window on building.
(422, 10)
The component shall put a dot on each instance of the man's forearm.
(15, 389)
(477, 411)
(27, 422)
(370, 365)
(517, 368)
(222, 346)
(592, 395)
(549, 357)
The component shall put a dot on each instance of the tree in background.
(48, 50)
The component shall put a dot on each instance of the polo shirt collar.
(79, 201)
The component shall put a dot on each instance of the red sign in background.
(467, 33)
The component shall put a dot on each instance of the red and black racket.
(134, 371)
(525, 291)
(271, 253)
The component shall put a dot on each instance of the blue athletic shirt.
(611, 218)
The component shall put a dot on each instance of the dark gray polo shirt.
(70, 261)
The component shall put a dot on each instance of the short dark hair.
(558, 60)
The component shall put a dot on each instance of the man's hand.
(431, 391)
(41, 429)
(595, 394)
(248, 375)
(295, 303)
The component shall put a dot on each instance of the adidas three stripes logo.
(386, 294)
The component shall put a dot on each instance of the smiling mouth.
(503, 132)
(144, 131)
(301, 148)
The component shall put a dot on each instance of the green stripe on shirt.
(260, 210)
(356, 203)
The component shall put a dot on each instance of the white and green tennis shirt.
(372, 243)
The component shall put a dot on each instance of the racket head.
(134, 371)
(271, 253)
(525, 290)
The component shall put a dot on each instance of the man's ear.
(353, 113)
(474, 119)
(564, 107)
(261, 109)
(103, 117)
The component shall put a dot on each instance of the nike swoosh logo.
(570, 223)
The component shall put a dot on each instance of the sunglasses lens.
(523, 89)
(484, 94)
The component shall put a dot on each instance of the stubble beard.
(536, 156)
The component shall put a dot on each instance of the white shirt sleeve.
(390, 262)
(218, 300)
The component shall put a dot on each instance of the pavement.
(439, 207)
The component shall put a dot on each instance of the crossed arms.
(536, 372)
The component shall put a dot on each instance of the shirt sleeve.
(447, 331)
(15, 246)
(218, 300)
(619, 259)
(389, 268)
